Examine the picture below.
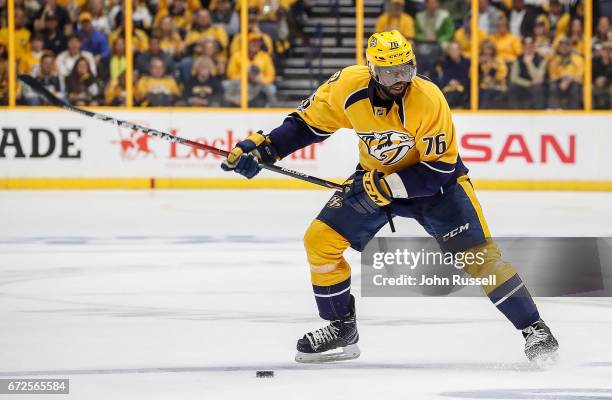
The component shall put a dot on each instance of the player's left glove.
(246, 157)
(368, 193)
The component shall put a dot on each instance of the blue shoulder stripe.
(356, 96)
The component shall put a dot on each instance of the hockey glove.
(246, 157)
(368, 193)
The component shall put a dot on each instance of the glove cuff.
(376, 188)
(261, 147)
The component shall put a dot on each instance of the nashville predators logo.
(335, 202)
(388, 147)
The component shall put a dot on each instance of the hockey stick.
(54, 100)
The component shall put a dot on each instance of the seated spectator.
(66, 59)
(575, 35)
(527, 78)
(396, 18)
(492, 76)
(193, 5)
(21, 35)
(156, 90)
(603, 32)
(111, 67)
(29, 62)
(211, 50)
(455, 77)
(522, 19)
(488, 17)
(143, 60)
(565, 70)
(55, 40)
(541, 39)
(261, 76)
(508, 46)
(114, 94)
(202, 89)
(92, 40)
(463, 36)
(99, 18)
(179, 14)
(50, 7)
(185, 65)
(256, 57)
(253, 28)
(602, 76)
(559, 20)
(3, 72)
(225, 16)
(81, 86)
(140, 40)
(48, 77)
(202, 26)
(141, 16)
(434, 24)
(170, 40)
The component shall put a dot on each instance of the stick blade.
(40, 89)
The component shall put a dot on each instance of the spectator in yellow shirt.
(22, 34)
(493, 72)
(253, 26)
(261, 75)
(508, 46)
(559, 20)
(156, 90)
(541, 39)
(29, 62)
(566, 73)
(202, 26)
(256, 57)
(463, 36)
(114, 94)
(396, 18)
(178, 12)
(170, 40)
(575, 34)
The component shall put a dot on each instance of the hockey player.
(409, 166)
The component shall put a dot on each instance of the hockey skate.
(334, 342)
(540, 344)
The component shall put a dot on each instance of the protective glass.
(388, 76)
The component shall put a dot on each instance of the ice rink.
(185, 294)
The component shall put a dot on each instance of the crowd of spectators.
(531, 52)
(185, 52)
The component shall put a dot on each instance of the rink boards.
(51, 149)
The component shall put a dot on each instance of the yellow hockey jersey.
(412, 140)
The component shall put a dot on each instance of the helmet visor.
(389, 76)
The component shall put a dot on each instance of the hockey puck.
(264, 374)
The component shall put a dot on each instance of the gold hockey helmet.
(390, 58)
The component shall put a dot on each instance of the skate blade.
(545, 361)
(349, 352)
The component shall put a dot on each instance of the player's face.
(395, 79)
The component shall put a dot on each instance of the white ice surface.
(185, 294)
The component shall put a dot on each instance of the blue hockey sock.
(513, 299)
(333, 301)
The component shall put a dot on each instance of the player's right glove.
(246, 157)
(368, 193)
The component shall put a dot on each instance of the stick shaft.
(39, 88)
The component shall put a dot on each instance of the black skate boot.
(540, 344)
(341, 334)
